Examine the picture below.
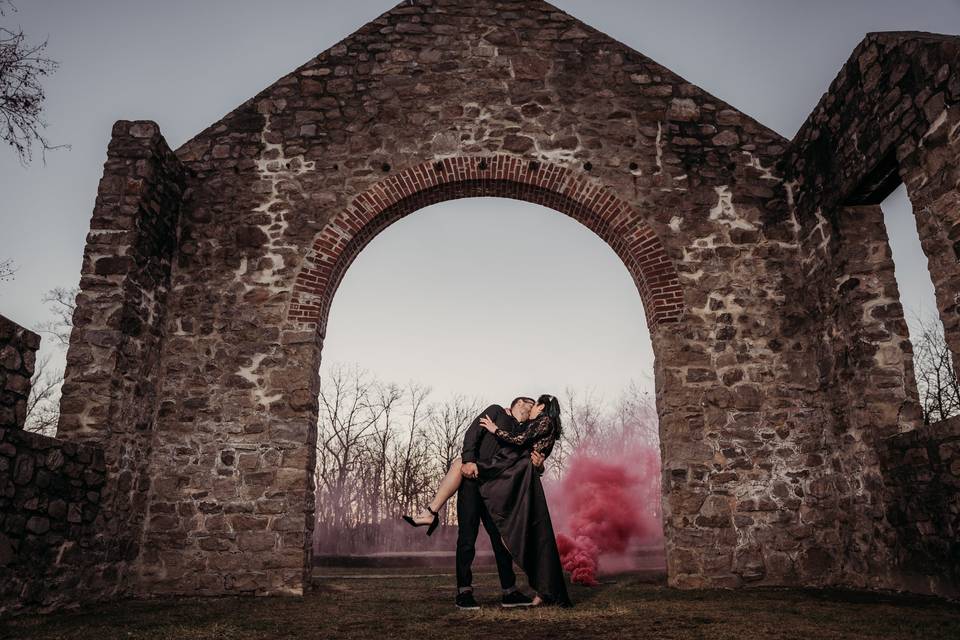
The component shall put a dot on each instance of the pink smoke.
(605, 507)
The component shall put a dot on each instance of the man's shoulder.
(493, 409)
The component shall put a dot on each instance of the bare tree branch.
(63, 304)
(43, 410)
(22, 70)
(937, 384)
(7, 270)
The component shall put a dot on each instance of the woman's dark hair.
(551, 407)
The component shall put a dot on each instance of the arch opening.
(621, 228)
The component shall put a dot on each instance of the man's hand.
(488, 424)
(469, 470)
(537, 458)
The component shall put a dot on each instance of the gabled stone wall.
(782, 366)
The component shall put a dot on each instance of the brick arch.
(550, 185)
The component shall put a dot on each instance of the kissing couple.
(497, 482)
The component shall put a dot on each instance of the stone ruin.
(792, 441)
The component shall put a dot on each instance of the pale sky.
(443, 277)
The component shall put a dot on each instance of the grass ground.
(419, 604)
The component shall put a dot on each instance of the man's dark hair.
(522, 399)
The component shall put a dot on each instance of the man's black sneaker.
(516, 599)
(466, 600)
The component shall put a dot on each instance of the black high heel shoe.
(432, 526)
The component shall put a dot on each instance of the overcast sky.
(443, 278)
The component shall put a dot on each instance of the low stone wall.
(922, 469)
(18, 351)
(49, 503)
(52, 550)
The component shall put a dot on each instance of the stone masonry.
(782, 369)
(18, 354)
(923, 469)
(49, 497)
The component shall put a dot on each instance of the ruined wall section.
(112, 379)
(922, 467)
(852, 151)
(890, 116)
(51, 552)
(49, 498)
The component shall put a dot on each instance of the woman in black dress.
(513, 493)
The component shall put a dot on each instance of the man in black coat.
(479, 445)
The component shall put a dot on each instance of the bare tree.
(382, 451)
(7, 270)
(592, 426)
(22, 69)
(449, 421)
(378, 451)
(411, 470)
(933, 368)
(43, 410)
(582, 422)
(635, 415)
(63, 304)
(347, 417)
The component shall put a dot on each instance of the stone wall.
(922, 467)
(18, 353)
(50, 554)
(49, 498)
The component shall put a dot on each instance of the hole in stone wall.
(932, 362)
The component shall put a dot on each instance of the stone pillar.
(124, 277)
(872, 364)
(18, 352)
(869, 379)
(110, 393)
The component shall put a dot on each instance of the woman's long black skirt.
(513, 493)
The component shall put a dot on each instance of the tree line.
(383, 448)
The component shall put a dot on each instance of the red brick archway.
(550, 185)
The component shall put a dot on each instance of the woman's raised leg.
(448, 486)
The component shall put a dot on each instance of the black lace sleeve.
(538, 429)
(545, 444)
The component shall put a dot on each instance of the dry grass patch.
(402, 606)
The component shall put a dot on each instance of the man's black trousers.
(471, 511)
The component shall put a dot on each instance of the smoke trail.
(603, 506)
